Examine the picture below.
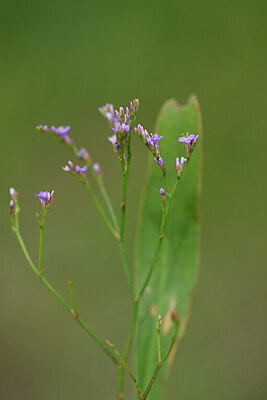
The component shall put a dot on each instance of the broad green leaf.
(176, 270)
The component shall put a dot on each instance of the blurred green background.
(60, 61)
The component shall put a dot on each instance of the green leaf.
(176, 270)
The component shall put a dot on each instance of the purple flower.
(180, 166)
(156, 138)
(61, 130)
(13, 193)
(162, 192)
(62, 133)
(151, 141)
(96, 168)
(189, 142)
(75, 168)
(43, 128)
(160, 163)
(81, 170)
(121, 129)
(46, 198)
(113, 141)
(195, 140)
(11, 206)
(83, 155)
(108, 111)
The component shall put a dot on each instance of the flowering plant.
(166, 262)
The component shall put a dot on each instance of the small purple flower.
(81, 170)
(13, 193)
(83, 155)
(108, 111)
(106, 108)
(160, 163)
(180, 166)
(71, 165)
(156, 139)
(189, 141)
(96, 168)
(121, 129)
(43, 128)
(62, 133)
(75, 168)
(46, 198)
(113, 141)
(61, 130)
(162, 192)
(11, 206)
(195, 140)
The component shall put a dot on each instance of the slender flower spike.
(189, 142)
(180, 166)
(134, 105)
(83, 155)
(46, 199)
(151, 141)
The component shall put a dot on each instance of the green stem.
(123, 363)
(99, 207)
(128, 347)
(161, 362)
(123, 198)
(161, 237)
(138, 298)
(105, 195)
(40, 259)
(158, 342)
(126, 268)
(60, 299)
(109, 204)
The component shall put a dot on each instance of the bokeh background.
(60, 61)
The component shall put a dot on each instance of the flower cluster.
(120, 121)
(75, 169)
(46, 198)
(152, 143)
(60, 133)
(189, 141)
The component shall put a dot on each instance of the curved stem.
(161, 362)
(62, 301)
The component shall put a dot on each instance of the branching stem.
(62, 301)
